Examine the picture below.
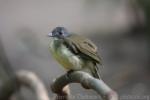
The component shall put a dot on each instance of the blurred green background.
(120, 28)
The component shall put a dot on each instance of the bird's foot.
(69, 72)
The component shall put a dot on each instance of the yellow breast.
(65, 57)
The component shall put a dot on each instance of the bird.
(74, 52)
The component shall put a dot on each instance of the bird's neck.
(55, 38)
(56, 43)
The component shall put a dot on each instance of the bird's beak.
(50, 34)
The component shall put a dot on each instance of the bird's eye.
(60, 33)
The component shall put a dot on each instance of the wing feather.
(85, 46)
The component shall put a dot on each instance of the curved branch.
(87, 81)
(30, 80)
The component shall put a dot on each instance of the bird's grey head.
(59, 32)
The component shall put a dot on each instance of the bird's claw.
(69, 72)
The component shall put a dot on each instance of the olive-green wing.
(85, 46)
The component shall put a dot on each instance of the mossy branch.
(86, 80)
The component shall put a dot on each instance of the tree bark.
(86, 80)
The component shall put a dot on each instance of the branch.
(7, 88)
(9, 84)
(30, 80)
(87, 81)
(7, 77)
